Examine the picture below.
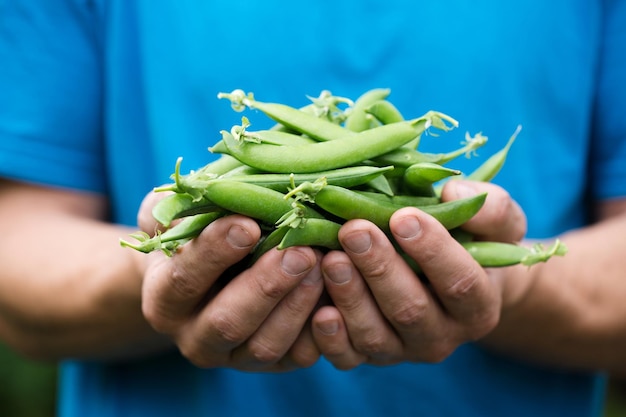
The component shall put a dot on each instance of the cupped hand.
(257, 320)
(383, 313)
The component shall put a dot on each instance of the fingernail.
(408, 227)
(314, 276)
(358, 242)
(339, 273)
(328, 328)
(464, 190)
(239, 237)
(295, 263)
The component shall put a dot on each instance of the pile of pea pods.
(321, 165)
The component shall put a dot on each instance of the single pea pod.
(358, 119)
(419, 178)
(313, 232)
(500, 254)
(178, 205)
(194, 182)
(404, 157)
(267, 242)
(385, 112)
(492, 166)
(172, 238)
(322, 156)
(401, 199)
(260, 203)
(351, 150)
(343, 177)
(348, 204)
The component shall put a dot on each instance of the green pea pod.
(313, 232)
(385, 112)
(358, 119)
(176, 206)
(276, 137)
(344, 177)
(348, 204)
(380, 184)
(401, 199)
(499, 254)
(419, 178)
(194, 182)
(261, 203)
(309, 108)
(490, 168)
(321, 156)
(268, 242)
(404, 157)
(172, 238)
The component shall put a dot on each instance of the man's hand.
(256, 321)
(382, 313)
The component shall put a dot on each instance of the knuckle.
(374, 346)
(464, 287)
(411, 313)
(182, 284)
(223, 328)
(264, 353)
(270, 289)
(376, 269)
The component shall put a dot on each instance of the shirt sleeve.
(608, 146)
(50, 100)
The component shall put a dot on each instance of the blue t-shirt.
(104, 95)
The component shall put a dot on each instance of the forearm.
(67, 289)
(571, 311)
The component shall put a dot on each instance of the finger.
(304, 353)
(403, 300)
(145, 220)
(331, 336)
(243, 305)
(459, 283)
(279, 331)
(368, 330)
(500, 218)
(173, 287)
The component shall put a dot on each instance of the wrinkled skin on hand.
(382, 313)
(256, 321)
